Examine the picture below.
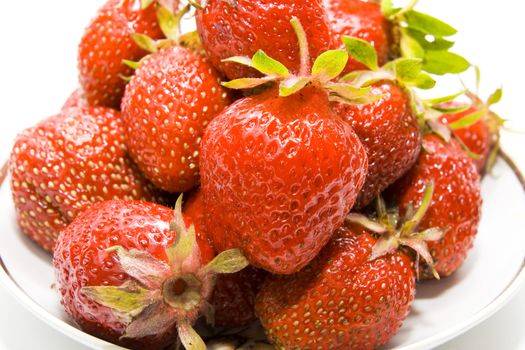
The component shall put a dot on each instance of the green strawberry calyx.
(425, 37)
(161, 295)
(394, 232)
(328, 66)
(170, 24)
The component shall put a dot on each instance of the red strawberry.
(170, 100)
(390, 132)
(241, 27)
(233, 297)
(106, 43)
(122, 279)
(480, 137)
(456, 204)
(342, 300)
(66, 163)
(279, 174)
(362, 20)
(75, 100)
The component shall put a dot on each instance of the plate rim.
(96, 343)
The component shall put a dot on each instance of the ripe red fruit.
(342, 300)
(228, 30)
(477, 137)
(279, 174)
(106, 43)
(390, 131)
(75, 100)
(362, 20)
(66, 163)
(456, 204)
(233, 297)
(135, 273)
(167, 105)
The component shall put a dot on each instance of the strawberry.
(279, 170)
(278, 176)
(390, 132)
(66, 163)
(107, 41)
(75, 100)
(233, 297)
(477, 128)
(241, 27)
(345, 299)
(170, 100)
(135, 273)
(363, 20)
(476, 137)
(456, 205)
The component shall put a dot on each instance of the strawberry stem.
(304, 52)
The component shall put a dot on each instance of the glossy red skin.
(106, 42)
(456, 204)
(390, 132)
(75, 100)
(167, 105)
(362, 20)
(254, 25)
(81, 260)
(66, 163)
(341, 300)
(233, 298)
(278, 177)
(477, 137)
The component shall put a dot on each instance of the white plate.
(442, 310)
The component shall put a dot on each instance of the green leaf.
(428, 24)
(438, 44)
(411, 48)
(450, 110)
(267, 65)
(291, 86)
(362, 51)
(444, 99)
(478, 77)
(129, 299)
(168, 23)
(412, 223)
(329, 65)
(407, 70)
(147, 3)
(247, 83)
(144, 42)
(245, 61)
(229, 261)
(131, 64)
(467, 120)
(189, 338)
(495, 97)
(367, 223)
(388, 9)
(191, 40)
(367, 77)
(443, 62)
(142, 266)
(440, 130)
(424, 82)
(348, 91)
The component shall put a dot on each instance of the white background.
(38, 71)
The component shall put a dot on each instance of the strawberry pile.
(312, 187)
